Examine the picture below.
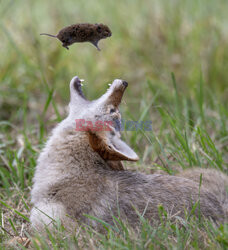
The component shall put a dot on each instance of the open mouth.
(118, 85)
(78, 86)
(113, 95)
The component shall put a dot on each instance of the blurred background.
(174, 54)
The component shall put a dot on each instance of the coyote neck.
(71, 151)
(66, 155)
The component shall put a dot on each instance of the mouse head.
(102, 30)
(100, 120)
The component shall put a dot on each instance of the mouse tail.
(47, 35)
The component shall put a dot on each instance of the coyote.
(79, 173)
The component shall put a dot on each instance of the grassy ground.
(174, 56)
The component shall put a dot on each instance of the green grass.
(174, 56)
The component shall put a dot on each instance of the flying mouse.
(82, 32)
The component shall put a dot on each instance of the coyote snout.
(80, 172)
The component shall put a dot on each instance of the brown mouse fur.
(82, 32)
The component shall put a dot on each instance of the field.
(174, 55)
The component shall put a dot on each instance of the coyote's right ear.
(110, 147)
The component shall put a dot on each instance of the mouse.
(82, 32)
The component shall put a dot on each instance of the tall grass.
(174, 56)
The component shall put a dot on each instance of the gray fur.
(73, 178)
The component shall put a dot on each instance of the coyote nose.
(125, 83)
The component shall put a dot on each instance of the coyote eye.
(112, 110)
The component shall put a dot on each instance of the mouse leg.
(95, 43)
(65, 46)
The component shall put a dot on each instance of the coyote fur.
(80, 173)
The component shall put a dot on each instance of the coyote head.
(100, 119)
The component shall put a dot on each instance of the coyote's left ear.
(110, 147)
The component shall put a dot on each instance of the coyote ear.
(110, 147)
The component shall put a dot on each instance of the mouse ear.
(99, 28)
